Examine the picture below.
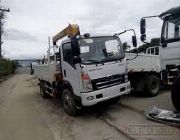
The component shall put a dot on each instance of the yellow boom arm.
(70, 31)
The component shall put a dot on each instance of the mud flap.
(163, 116)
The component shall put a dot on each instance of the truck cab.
(153, 50)
(170, 38)
(98, 71)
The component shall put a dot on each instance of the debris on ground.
(163, 116)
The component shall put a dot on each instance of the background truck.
(160, 63)
(85, 70)
(157, 65)
(170, 44)
(144, 73)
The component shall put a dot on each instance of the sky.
(30, 22)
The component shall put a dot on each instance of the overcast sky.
(30, 22)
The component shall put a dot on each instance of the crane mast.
(71, 31)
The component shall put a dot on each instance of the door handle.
(64, 73)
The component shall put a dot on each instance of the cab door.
(70, 71)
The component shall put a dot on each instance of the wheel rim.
(67, 102)
(154, 86)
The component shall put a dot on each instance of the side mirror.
(143, 37)
(134, 41)
(75, 47)
(143, 26)
(77, 60)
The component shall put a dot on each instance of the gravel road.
(24, 115)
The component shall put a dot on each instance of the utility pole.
(2, 10)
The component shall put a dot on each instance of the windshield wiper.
(111, 59)
(92, 60)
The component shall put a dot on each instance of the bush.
(7, 67)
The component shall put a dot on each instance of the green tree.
(155, 42)
(142, 48)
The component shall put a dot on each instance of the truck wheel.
(69, 103)
(175, 93)
(43, 90)
(152, 85)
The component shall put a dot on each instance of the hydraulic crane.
(71, 31)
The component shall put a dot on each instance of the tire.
(175, 93)
(152, 85)
(43, 90)
(69, 103)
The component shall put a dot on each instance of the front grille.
(107, 81)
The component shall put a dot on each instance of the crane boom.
(71, 31)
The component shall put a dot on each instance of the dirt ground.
(24, 115)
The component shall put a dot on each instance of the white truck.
(86, 70)
(157, 65)
(169, 49)
(144, 73)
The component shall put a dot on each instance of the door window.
(152, 51)
(172, 29)
(67, 53)
(157, 51)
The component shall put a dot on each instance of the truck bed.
(45, 71)
(143, 62)
(41, 71)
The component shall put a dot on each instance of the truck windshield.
(172, 29)
(100, 49)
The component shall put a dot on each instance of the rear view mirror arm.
(151, 16)
(118, 34)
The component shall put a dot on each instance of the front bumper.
(94, 97)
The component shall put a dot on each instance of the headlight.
(86, 82)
